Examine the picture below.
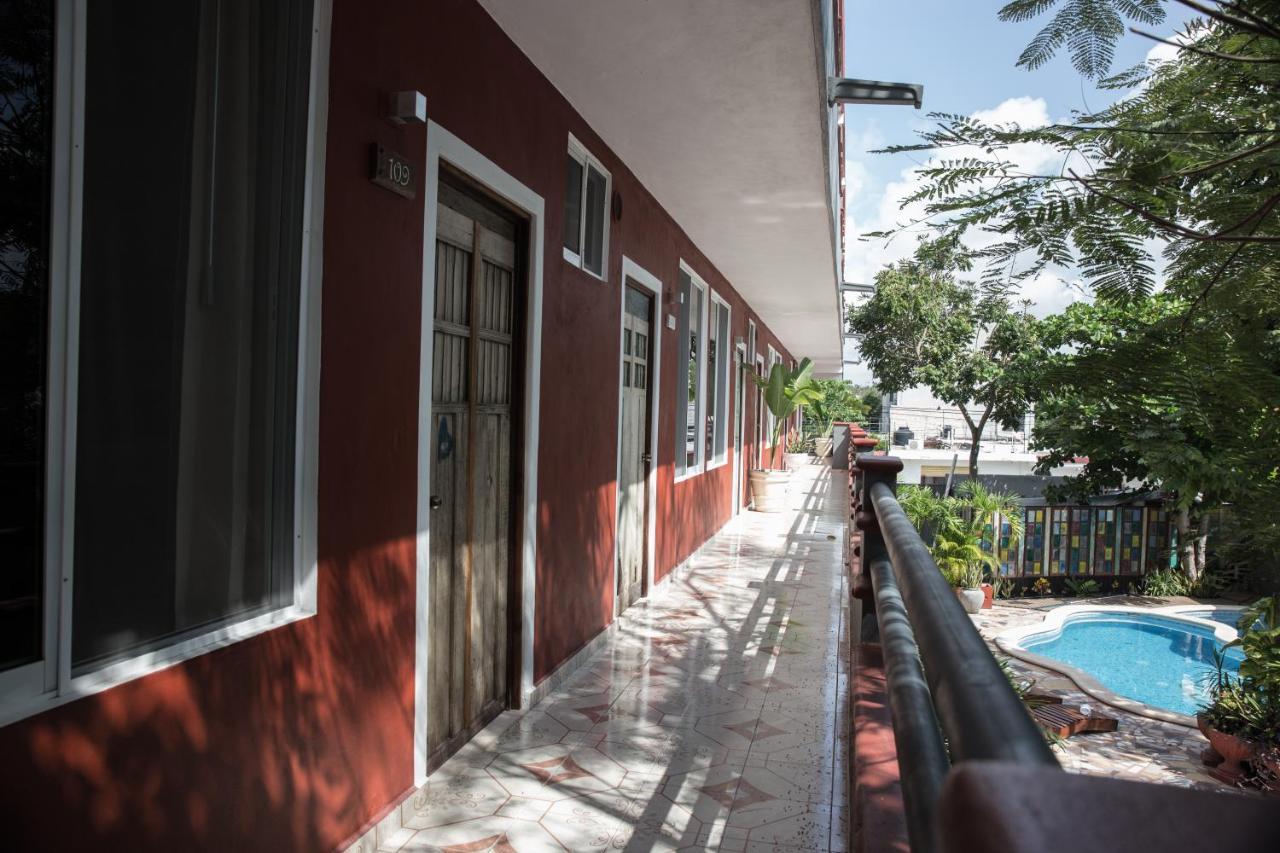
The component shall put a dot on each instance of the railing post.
(870, 469)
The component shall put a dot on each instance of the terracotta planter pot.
(1208, 756)
(970, 599)
(988, 596)
(1233, 750)
(768, 489)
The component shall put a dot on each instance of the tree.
(1177, 377)
(1171, 424)
(967, 344)
(837, 403)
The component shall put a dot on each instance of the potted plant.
(987, 507)
(784, 392)
(1242, 717)
(961, 559)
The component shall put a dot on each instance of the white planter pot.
(768, 489)
(970, 599)
(795, 460)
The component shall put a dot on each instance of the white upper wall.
(718, 107)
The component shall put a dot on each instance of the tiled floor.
(715, 718)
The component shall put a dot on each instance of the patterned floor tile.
(706, 721)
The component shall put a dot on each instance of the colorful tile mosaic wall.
(1069, 541)
(1160, 541)
(1104, 541)
(1033, 554)
(1130, 540)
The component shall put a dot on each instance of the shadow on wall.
(290, 739)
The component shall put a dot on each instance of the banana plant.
(784, 392)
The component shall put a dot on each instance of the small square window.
(586, 211)
(626, 374)
(642, 345)
(639, 375)
(626, 341)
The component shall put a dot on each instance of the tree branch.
(1169, 225)
(1239, 155)
(1258, 25)
(1214, 54)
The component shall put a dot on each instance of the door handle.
(646, 458)
(436, 502)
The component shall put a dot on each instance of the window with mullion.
(586, 210)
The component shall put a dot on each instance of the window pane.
(694, 381)
(709, 428)
(573, 205)
(593, 252)
(189, 317)
(683, 419)
(26, 68)
(722, 385)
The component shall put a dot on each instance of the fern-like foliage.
(1088, 28)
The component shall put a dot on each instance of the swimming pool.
(1154, 662)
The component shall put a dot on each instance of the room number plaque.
(391, 171)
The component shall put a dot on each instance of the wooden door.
(633, 445)
(476, 328)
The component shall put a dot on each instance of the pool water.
(1160, 662)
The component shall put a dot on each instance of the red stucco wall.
(295, 738)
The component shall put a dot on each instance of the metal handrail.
(915, 727)
(979, 712)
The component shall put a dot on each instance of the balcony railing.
(948, 698)
(975, 771)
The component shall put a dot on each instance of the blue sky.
(964, 55)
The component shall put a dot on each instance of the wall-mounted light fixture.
(845, 90)
(407, 108)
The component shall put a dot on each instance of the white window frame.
(579, 152)
(771, 422)
(720, 455)
(45, 684)
(700, 400)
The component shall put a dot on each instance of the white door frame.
(444, 146)
(738, 365)
(642, 277)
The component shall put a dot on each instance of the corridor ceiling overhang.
(720, 108)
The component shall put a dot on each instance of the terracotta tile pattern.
(677, 734)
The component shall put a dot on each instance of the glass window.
(689, 400)
(26, 123)
(593, 254)
(573, 205)
(189, 295)
(713, 372)
(718, 385)
(586, 210)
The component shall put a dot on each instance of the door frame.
(444, 146)
(647, 280)
(739, 421)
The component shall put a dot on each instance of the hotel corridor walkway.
(714, 718)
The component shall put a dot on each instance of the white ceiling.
(717, 107)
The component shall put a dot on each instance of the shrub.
(1087, 586)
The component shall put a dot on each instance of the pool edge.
(1008, 642)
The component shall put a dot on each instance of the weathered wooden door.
(633, 445)
(478, 297)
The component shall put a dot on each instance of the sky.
(965, 57)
